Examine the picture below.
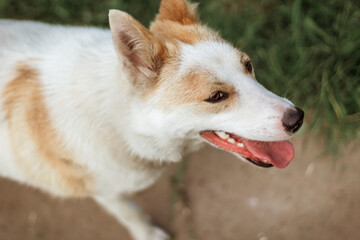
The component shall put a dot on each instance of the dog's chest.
(128, 177)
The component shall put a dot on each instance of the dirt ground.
(316, 197)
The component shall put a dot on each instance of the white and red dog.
(99, 113)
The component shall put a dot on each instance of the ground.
(219, 197)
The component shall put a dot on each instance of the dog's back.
(41, 64)
(38, 38)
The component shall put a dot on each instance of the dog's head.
(191, 84)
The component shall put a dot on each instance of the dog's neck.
(148, 137)
(155, 148)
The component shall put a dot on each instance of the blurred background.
(305, 50)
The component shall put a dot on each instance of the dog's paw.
(158, 234)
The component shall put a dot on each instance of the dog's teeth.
(231, 140)
(265, 161)
(240, 145)
(222, 135)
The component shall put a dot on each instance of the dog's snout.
(293, 119)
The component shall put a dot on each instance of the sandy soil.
(221, 198)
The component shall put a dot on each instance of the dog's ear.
(142, 51)
(180, 11)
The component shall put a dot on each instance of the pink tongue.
(278, 154)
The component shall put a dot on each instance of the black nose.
(293, 119)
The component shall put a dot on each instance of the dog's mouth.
(263, 154)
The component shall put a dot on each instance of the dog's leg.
(132, 217)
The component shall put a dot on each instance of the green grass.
(306, 50)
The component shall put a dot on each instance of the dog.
(88, 112)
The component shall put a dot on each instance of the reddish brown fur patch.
(178, 21)
(49, 165)
(195, 88)
(168, 31)
(179, 11)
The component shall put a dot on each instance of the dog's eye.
(248, 66)
(217, 97)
